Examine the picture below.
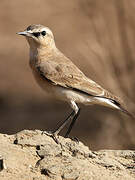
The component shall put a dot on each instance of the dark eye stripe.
(36, 34)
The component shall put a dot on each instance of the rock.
(1, 164)
(33, 156)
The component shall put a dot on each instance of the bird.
(60, 78)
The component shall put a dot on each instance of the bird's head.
(38, 35)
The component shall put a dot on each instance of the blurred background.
(99, 36)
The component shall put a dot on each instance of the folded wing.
(69, 76)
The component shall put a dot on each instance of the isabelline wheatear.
(61, 79)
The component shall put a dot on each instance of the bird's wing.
(68, 75)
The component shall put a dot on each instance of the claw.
(48, 133)
(52, 134)
(75, 139)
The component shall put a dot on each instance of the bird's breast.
(43, 83)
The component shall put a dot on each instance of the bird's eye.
(36, 34)
(43, 33)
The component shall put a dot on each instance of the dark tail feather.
(126, 112)
(121, 108)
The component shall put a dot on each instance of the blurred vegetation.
(99, 37)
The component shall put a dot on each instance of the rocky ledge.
(29, 155)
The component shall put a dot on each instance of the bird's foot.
(75, 139)
(52, 134)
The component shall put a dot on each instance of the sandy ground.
(33, 156)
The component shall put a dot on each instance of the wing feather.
(68, 75)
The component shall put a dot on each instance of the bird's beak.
(24, 33)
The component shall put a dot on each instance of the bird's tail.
(115, 104)
(122, 109)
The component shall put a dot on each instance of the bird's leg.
(75, 113)
(61, 126)
(72, 123)
(55, 133)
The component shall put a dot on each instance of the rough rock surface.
(29, 155)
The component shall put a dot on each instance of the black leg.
(61, 126)
(72, 123)
(54, 134)
(73, 116)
